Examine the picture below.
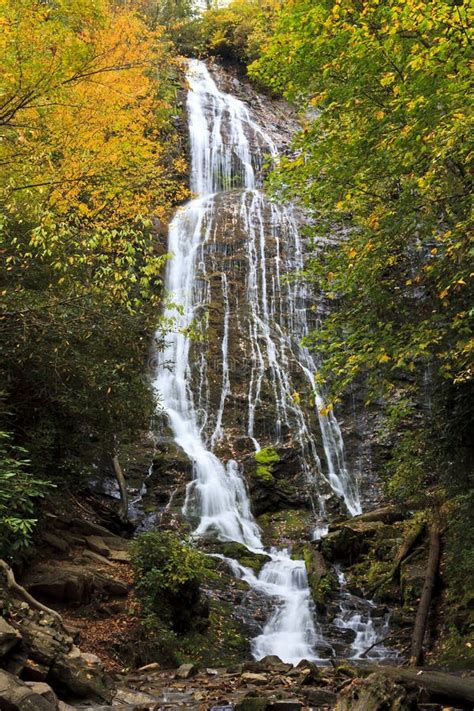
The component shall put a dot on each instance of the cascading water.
(356, 616)
(227, 149)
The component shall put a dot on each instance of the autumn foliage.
(89, 154)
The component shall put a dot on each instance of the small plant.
(266, 458)
(168, 575)
(19, 490)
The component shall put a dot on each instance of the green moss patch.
(266, 458)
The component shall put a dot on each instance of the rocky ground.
(69, 627)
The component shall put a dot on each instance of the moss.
(321, 581)
(266, 458)
(289, 524)
(221, 643)
(239, 552)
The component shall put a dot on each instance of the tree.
(89, 153)
(382, 163)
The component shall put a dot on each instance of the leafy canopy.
(383, 164)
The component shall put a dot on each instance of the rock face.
(9, 637)
(16, 695)
(72, 584)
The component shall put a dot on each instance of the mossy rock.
(222, 643)
(321, 580)
(288, 524)
(240, 553)
(265, 460)
(349, 542)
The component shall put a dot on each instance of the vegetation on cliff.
(89, 152)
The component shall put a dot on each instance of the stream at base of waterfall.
(228, 148)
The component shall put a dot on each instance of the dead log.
(440, 687)
(24, 594)
(123, 489)
(426, 595)
(409, 541)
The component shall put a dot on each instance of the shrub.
(18, 491)
(168, 575)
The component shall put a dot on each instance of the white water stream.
(227, 150)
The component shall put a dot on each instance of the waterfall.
(228, 149)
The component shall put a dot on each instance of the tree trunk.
(426, 595)
(441, 688)
(123, 489)
(405, 548)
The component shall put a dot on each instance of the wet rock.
(16, 695)
(284, 705)
(376, 693)
(9, 637)
(240, 553)
(321, 580)
(310, 673)
(186, 670)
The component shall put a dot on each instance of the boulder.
(349, 542)
(186, 670)
(274, 664)
(284, 705)
(88, 528)
(44, 642)
(98, 545)
(58, 543)
(16, 695)
(72, 584)
(9, 637)
(320, 697)
(80, 674)
(240, 553)
(44, 690)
